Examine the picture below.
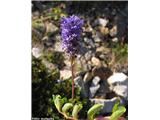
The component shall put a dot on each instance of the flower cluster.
(71, 31)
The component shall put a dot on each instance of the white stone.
(115, 39)
(102, 22)
(58, 47)
(51, 27)
(96, 80)
(121, 90)
(96, 61)
(117, 78)
(37, 52)
(93, 89)
(113, 31)
(65, 74)
(119, 84)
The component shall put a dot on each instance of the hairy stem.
(73, 76)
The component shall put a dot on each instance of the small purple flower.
(71, 31)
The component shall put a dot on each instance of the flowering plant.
(71, 32)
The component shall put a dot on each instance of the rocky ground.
(102, 63)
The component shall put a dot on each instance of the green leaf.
(66, 107)
(93, 110)
(119, 112)
(115, 107)
(58, 102)
(76, 110)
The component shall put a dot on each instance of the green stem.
(68, 118)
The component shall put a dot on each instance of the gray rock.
(121, 90)
(113, 12)
(88, 55)
(119, 84)
(103, 90)
(51, 28)
(103, 50)
(84, 87)
(83, 64)
(103, 22)
(48, 42)
(45, 38)
(96, 80)
(86, 39)
(96, 61)
(58, 47)
(102, 56)
(82, 49)
(115, 40)
(37, 52)
(65, 74)
(57, 37)
(93, 89)
(89, 66)
(36, 14)
(38, 32)
(104, 30)
(89, 28)
(85, 91)
(97, 37)
(108, 104)
(89, 42)
(67, 62)
(38, 5)
(97, 44)
(118, 78)
(87, 77)
(113, 31)
(78, 81)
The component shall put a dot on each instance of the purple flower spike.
(71, 31)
